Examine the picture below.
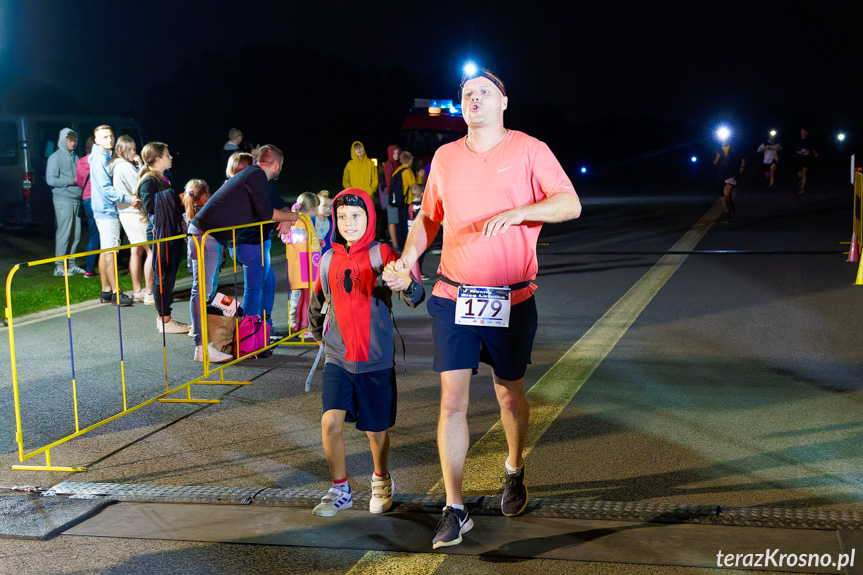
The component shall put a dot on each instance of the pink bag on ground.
(253, 334)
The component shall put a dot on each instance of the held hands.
(136, 202)
(502, 221)
(397, 275)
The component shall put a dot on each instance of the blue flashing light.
(693, 159)
(453, 108)
(583, 170)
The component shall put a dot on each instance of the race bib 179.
(485, 306)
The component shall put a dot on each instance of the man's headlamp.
(472, 73)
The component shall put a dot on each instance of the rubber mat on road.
(34, 517)
(494, 536)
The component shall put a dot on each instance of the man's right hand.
(397, 275)
(285, 227)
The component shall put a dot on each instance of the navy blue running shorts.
(506, 349)
(369, 399)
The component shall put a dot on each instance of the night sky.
(605, 80)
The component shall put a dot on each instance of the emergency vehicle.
(429, 125)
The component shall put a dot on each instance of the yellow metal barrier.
(312, 277)
(199, 246)
(169, 391)
(858, 222)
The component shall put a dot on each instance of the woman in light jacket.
(123, 170)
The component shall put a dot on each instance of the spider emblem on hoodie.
(348, 278)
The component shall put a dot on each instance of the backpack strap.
(378, 263)
(375, 255)
(323, 268)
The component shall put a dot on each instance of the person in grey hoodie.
(60, 175)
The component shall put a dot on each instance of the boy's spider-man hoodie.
(358, 335)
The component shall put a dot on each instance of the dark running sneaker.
(125, 300)
(105, 297)
(450, 528)
(514, 498)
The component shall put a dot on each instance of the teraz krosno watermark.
(775, 558)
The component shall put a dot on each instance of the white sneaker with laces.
(334, 501)
(216, 356)
(136, 296)
(382, 494)
(149, 299)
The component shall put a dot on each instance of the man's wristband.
(409, 291)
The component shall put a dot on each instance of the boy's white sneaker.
(382, 494)
(334, 501)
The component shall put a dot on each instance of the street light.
(840, 137)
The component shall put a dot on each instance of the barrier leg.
(47, 466)
(854, 250)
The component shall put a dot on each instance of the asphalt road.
(727, 375)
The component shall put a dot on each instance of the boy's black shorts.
(506, 349)
(369, 399)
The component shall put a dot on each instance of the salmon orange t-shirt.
(465, 189)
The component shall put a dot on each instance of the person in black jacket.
(243, 199)
(165, 210)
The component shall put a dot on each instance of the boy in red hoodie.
(350, 314)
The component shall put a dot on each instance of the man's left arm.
(99, 176)
(557, 208)
(101, 181)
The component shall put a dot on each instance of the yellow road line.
(548, 397)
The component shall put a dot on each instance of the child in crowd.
(414, 210)
(194, 196)
(359, 382)
(400, 192)
(300, 277)
(323, 226)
